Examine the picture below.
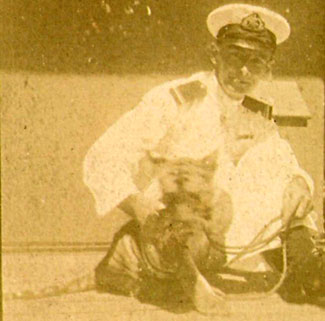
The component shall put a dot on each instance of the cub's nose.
(181, 180)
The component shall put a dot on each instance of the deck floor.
(34, 270)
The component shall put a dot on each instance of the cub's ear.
(155, 158)
(211, 161)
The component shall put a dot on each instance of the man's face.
(240, 66)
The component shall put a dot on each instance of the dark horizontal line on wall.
(46, 247)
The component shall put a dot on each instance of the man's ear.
(268, 76)
(211, 161)
(213, 52)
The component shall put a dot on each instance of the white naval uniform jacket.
(255, 178)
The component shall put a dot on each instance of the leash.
(253, 246)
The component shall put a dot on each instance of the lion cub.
(196, 214)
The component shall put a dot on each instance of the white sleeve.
(289, 161)
(111, 161)
(310, 220)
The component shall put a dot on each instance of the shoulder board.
(189, 92)
(258, 106)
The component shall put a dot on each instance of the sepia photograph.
(162, 160)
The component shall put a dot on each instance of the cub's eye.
(171, 172)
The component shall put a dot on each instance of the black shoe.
(314, 285)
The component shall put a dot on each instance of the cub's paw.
(208, 301)
(212, 305)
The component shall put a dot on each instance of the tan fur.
(80, 284)
(196, 214)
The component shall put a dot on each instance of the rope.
(253, 246)
(276, 287)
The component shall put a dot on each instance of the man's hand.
(140, 207)
(297, 200)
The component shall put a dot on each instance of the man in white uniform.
(192, 118)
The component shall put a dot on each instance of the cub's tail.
(81, 284)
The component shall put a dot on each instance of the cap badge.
(253, 22)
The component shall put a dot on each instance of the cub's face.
(187, 184)
(185, 175)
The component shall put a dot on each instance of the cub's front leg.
(205, 299)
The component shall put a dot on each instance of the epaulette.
(189, 93)
(258, 106)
